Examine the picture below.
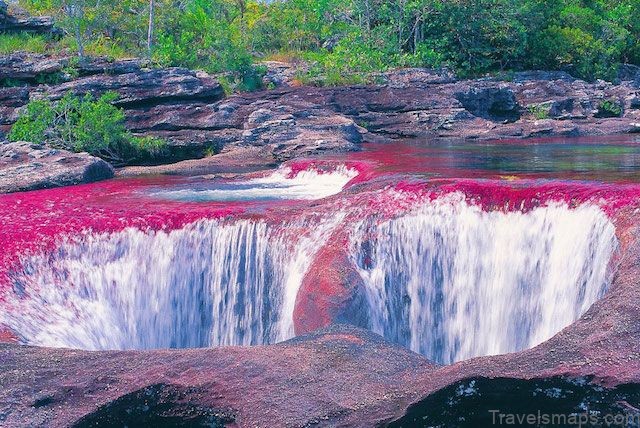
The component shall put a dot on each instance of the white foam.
(281, 185)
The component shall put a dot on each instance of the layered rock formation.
(185, 108)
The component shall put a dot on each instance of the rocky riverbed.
(190, 111)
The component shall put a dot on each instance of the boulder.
(332, 291)
(298, 133)
(417, 76)
(280, 73)
(27, 166)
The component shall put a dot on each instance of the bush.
(85, 124)
(539, 111)
(609, 108)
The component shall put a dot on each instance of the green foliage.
(610, 108)
(85, 124)
(33, 123)
(346, 40)
(539, 111)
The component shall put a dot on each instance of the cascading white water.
(207, 284)
(452, 282)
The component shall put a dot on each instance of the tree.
(150, 32)
(75, 13)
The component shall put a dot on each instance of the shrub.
(609, 108)
(206, 38)
(85, 124)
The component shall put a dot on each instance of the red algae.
(35, 221)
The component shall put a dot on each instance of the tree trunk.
(75, 11)
(150, 33)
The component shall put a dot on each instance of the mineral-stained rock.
(322, 379)
(7, 336)
(331, 291)
(27, 166)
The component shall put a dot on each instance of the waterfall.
(445, 278)
(452, 282)
(207, 284)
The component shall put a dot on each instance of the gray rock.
(280, 73)
(524, 76)
(146, 88)
(418, 76)
(30, 68)
(27, 166)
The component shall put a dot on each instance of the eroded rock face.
(27, 68)
(319, 379)
(331, 291)
(26, 166)
(183, 107)
(297, 132)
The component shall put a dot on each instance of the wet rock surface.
(27, 166)
(313, 380)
